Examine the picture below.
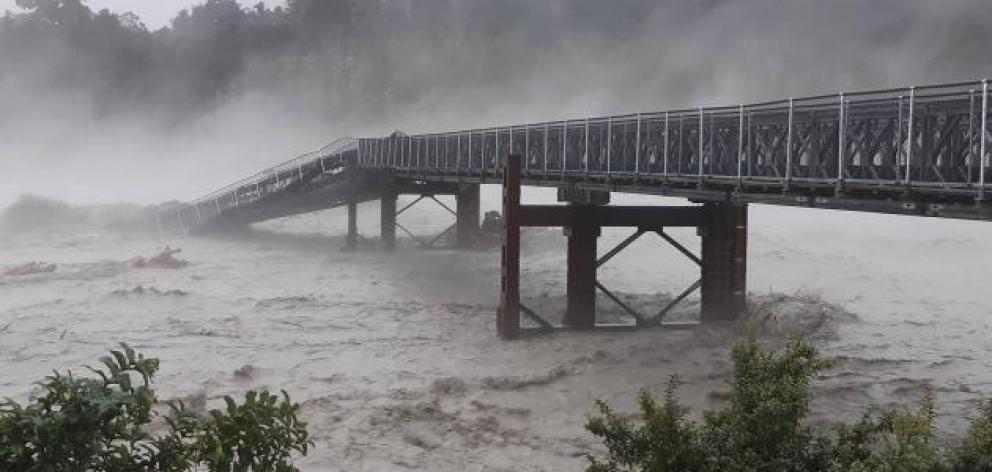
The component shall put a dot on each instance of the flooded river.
(394, 356)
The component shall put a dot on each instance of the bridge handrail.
(260, 184)
(874, 136)
(335, 147)
(799, 104)
(867, 138)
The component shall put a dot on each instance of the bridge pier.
(351, 240)
(467, 213)
(465, 230)
(722, 260)
(582, 234)
(387, 219)
(508, 313)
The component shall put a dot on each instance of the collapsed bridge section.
(325, 178)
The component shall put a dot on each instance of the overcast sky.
(154, 13)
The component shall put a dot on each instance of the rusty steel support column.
(582, 233)
(508, 315)
(387, 211)
(467, 212)
(724, 262)
(351, 241)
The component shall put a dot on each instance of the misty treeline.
(196, 61)
(339, 53)
(371, 57)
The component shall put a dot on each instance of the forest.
(379, 56)
(335, 51)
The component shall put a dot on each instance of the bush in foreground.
(106, 423)
(763, 428)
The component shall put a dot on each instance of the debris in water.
(140, 290)
(30, 268)
(448, 386)
(286, 303)
(418, 441)
(491, 407)
(516, 383)
(245, 372)
(493, 223)
(163, 260)
(195, 403)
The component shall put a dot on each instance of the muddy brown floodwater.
(394, 357)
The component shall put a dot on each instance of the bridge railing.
(328, 159)
(915, 137)
(932, 138)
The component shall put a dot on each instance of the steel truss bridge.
(918, 151)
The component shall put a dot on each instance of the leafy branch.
(104, 423)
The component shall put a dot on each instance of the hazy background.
(154, 14)
(113, 107)
(105, 105)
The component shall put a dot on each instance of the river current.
(394, 356)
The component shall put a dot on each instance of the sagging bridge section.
(920, 151)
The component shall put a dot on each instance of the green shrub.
(666, 440)
(974, 453)
(105, 423)
(888, 440)
(763, 428)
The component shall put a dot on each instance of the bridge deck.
(921, 151)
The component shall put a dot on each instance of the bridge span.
(920, 151)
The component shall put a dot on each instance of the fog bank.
(98, 108)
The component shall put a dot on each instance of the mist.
(99, 109)
(109, 118)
